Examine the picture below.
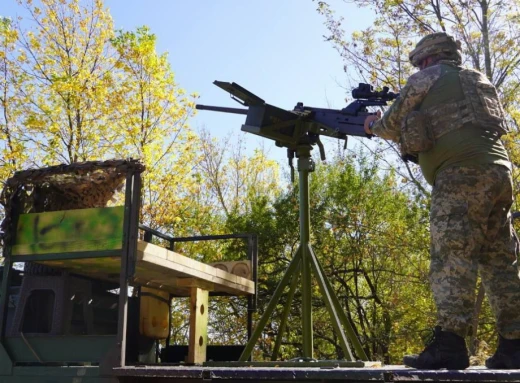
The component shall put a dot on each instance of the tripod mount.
(299, 131)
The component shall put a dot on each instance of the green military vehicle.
(86, 290)
(71, 259)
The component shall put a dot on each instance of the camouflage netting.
(76, 186)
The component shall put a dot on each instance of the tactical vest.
(480, 107)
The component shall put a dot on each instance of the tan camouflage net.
(76, 186)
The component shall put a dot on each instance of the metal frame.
(115, 356)
(303, 264)
(252, 255)
(6, 363)
(128, 257)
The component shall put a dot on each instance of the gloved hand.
(369, 120)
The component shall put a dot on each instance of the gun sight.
(367, 92)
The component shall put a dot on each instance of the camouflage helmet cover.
(438, 44)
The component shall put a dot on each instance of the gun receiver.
(303, 124)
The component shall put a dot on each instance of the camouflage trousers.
(471, 231)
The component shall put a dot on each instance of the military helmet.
(438, 44)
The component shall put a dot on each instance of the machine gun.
(299, 130)
(303, 125)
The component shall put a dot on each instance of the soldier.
(450, 120)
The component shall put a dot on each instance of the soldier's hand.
(369, 119)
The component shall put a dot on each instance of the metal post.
(123, 276)
(4, 293)
(8, 266)
(250, 298)
(309, 264)
(305, 165)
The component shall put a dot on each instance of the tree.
(149, 114)
(232, 177)
(68, 65)
(373, 243)
(76, 90)
(235, 192)
(12, 103)
(487, 29)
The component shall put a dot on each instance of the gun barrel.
(221, 109)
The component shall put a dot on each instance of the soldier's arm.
(411, 96)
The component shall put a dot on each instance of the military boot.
(444, 350)
(507, 355)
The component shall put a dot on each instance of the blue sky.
(274, 48)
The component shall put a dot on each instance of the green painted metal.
(305, 165)
(6, 364)
(68, 349)
(57, 374)
(131, 221)
(293, 266)
(69, 231)
(285, 315)
(349, 329)
(309, 264)
(326, 293)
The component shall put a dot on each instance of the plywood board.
(69, 231)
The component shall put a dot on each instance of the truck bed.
(309, 374)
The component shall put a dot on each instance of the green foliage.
(76, 90)
(372, 241)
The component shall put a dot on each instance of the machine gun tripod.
(299, 130)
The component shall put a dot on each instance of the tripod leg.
(285, 315)
(327, 295)
(293, 266)
(349, 329)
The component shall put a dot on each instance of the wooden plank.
(169, 267)
(194, 282)
(198, 326)
(157, 254)
(69, 231)
(163, 269)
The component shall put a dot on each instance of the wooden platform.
(161, 268)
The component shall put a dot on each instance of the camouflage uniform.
(470, 229)
(470, 220)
